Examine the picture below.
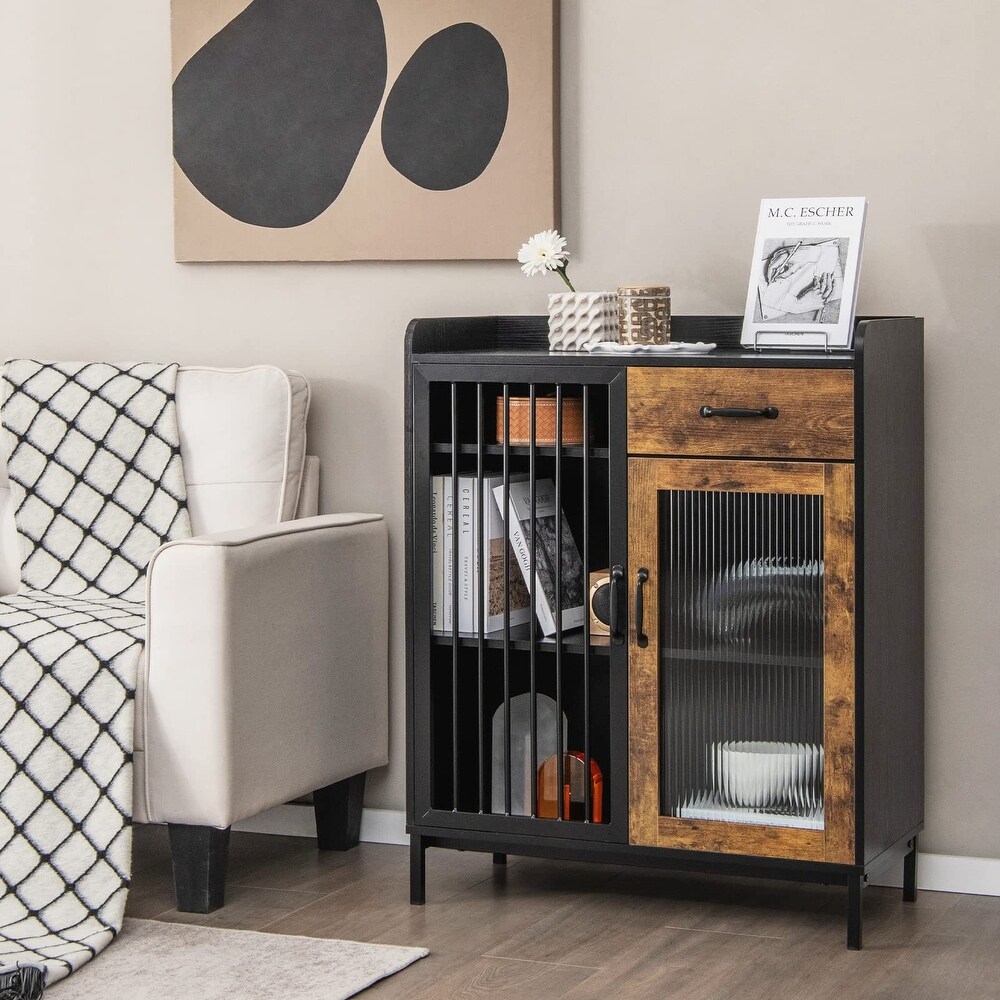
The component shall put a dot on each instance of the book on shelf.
(437, 553)
(804, 275)
(466, 525)
(447, 555)
(494, 544)
(477, 543)
(548, 521)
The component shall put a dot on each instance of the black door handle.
(768, 412)
(641, 639)
(617, 575)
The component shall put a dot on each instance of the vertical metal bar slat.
(506, 602)
(612, 459)
(533, 619)
(587, 805)
(453, 596)
(480, 545)
(668, 639)
(560, 763)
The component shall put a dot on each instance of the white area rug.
(181, 961)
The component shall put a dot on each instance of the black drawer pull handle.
(768, 412)
(614, 627)
(641, 639)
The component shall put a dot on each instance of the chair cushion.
(243, 440)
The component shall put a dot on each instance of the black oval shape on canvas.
(270, 114)
(446, 114)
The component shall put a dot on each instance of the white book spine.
(466, 553)
(437, 552)
(447, 539)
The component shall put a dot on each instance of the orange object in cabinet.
(573, 791)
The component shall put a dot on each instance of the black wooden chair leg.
(910, 874)
(499, 859)
(199, 855)
(338, 813)
(855, 886)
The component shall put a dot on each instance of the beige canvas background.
(380, 215)
(677, 119)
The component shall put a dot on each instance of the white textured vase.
(580, 318)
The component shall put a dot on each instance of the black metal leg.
(499, 859)
(338, 813)
(855, 885)
(910, 874)
(199, 855)
(418, 869)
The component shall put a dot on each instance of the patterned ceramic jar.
(644, 314)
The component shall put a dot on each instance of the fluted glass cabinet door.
(742, 657)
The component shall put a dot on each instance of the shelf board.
(708, 807)
(520, 638)
(733, 658)
(545, 450)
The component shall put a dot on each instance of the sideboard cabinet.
(745, 695)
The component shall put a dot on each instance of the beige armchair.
(265, 671)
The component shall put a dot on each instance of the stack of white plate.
(768, 775)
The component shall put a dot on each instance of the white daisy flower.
(545, 251)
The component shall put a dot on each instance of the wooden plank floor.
(551, 929)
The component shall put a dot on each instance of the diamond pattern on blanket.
(95, 473)
(98, 485)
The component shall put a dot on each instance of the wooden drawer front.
(815, 412)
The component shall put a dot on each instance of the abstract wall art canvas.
(363, 129)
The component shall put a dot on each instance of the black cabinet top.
(514, 340)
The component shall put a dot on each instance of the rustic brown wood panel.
(647, 478)
(838, 673)
(644, 674)
(816, 412)
(741, 838)
(738, 477)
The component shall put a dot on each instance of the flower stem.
(561, 271)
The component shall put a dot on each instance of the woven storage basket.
(545, 420)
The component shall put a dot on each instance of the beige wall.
(678, 117)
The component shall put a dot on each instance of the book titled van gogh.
(804, 275)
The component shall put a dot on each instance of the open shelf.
(544, 450)
(520, 639)
(722, 657)
(708, 807)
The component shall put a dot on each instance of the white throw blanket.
(97, 485)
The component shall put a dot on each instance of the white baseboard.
(935, 872)
(950, 873)
(378, 826)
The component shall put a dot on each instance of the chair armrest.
(266, 673)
